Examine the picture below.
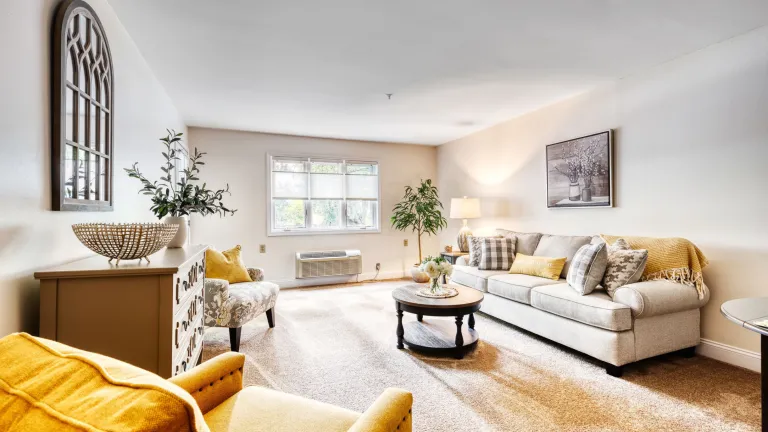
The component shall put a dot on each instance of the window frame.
(344, 229)
(63, 44)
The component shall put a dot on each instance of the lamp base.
(461, 239)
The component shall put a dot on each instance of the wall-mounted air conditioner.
(328, 263)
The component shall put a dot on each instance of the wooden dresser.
(147, 314)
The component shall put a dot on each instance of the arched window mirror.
(83, 101)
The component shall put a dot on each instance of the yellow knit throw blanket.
(675, 259)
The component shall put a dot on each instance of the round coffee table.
(437, 336)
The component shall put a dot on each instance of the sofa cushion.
(258, 408)
(658, 297)
(525, 243)
(561, 246)
(473, 277)
(596, 309)
(516, 287)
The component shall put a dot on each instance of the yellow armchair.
(46, 385)
(217, 386)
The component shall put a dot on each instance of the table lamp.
(464, 208)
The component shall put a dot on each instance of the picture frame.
(580, 172)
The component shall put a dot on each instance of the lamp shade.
(465, 208)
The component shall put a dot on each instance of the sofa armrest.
(214, 381)
(256, 274)
(659, 297)
(390, 412)
(462, 260)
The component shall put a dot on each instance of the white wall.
(691, 145)
(239, 158)
(31, 235)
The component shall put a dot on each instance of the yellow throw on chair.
(45, 386)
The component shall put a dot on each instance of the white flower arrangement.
(435, 267)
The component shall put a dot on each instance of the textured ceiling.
(321, 68)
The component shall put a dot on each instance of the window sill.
(322, 232)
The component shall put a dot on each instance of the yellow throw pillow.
(549, 268)
(227, 265)
(49, 386)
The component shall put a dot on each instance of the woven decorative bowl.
(125, 241)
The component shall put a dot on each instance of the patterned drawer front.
(191, 347)
(189, 279)
(190, 312)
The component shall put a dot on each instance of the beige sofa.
(643, 320)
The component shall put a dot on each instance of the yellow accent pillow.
(227, 265)
(49, 386)
(545, 267)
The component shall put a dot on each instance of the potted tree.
(419, 210)
(175, 201)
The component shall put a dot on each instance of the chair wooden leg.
(271, 317)
(234, 339)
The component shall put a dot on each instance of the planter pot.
(180, 239)
(574, 193)
(418, 275)
(586, 194)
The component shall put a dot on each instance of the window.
(83, 97)
(322, 195)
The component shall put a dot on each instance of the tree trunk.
(420, 258)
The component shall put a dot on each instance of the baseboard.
(335, 280)
(729, 354)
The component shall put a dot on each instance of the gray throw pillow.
(625, 266)
(588, 267)
(561, 246)
(525, 243)
(498, 253)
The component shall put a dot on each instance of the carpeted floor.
(337, 345)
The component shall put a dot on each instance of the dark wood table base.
(438, 336)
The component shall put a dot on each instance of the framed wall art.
(580, 172)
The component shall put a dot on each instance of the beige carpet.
(337, 345)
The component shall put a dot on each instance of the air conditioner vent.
(328, 263)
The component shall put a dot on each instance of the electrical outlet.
(263, 248)
(378, 266)
(405, 242)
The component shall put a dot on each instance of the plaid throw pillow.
(588, 267)
(498, 253)
(475, 250)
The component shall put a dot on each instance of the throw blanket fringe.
(683, 276)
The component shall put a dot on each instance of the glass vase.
(436, 285)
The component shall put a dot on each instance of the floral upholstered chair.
(232, 305)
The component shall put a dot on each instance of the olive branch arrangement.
(183, 197)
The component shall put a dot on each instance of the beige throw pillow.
(625, 266)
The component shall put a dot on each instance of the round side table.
(745, 312)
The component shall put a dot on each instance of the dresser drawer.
(185, 318)
(189, 279)
(190, 350)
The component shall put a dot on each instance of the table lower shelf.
(438, 336)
